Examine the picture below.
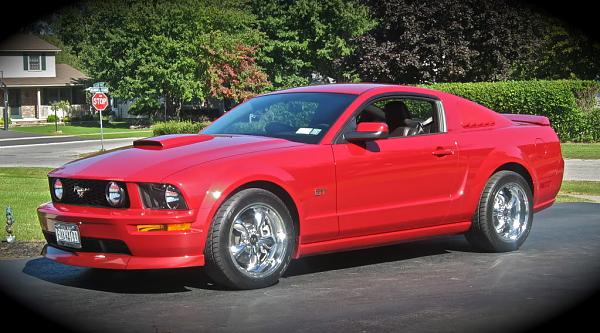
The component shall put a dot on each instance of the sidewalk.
(582, 170)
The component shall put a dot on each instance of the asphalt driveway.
(427, 286)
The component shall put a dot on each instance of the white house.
(28, 68)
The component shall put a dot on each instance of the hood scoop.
(170, 141)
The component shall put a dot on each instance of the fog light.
(164, 227)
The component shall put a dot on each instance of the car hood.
(153, 159)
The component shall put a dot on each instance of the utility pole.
(5, 95)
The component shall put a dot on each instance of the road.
(428, 286)
(43, 152)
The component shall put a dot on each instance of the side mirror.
(367, 131)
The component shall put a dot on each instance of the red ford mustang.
(306, 171)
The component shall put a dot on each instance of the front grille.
(93, 194)
(96, 245)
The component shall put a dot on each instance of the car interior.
(404, 116)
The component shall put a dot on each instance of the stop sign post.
(100, 103)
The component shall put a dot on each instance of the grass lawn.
(570, 187)
(581, 150)
(580, 187)
(92, 132)
(26, 188)
(23, 189)
(562, 198)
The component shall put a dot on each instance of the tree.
(309, 36)
(421, 41)
(234, 74)
(65, 106)
(153, 50)
(563, 53)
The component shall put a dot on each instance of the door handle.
(440, 151)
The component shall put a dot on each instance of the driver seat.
(411, 128)
(398, 119)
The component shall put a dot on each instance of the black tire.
(219, 264)
(482, 235)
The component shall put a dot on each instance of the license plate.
(67, 234)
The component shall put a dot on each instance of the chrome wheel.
(258, 240)
(510, 212)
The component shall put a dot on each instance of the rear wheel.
(504, 215)
(251, 241)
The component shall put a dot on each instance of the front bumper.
(110, 238)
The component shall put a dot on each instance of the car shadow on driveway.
(181, 280)
(378, 255)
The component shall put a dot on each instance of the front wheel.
(251, 240)
(504, 216)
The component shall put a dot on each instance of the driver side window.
(405, 116)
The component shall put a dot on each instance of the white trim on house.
(41, 85)
(25, 50)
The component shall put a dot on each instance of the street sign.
(99, 101)
(97, 89)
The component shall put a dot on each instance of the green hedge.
(178, 127)
(569, 104)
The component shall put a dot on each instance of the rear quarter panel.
(488, 141)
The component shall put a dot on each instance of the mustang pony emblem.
(80, 190)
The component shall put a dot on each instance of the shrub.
(567, 103)
(2, 120)
(52, 118)
(592, 130)
(178, 127)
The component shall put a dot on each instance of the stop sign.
(99, 101)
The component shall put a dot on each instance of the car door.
(396, 183)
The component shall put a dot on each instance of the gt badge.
(319, 192)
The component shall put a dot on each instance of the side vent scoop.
(170, 141)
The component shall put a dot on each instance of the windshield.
(300, 117)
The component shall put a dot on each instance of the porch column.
(39, 103)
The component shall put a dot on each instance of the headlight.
(161, 196)
(115, 194)
(58, 189)
(173, 198)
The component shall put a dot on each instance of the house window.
(35, 63)
(50, 95)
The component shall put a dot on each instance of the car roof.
(355, 88)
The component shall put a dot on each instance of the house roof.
(65, 76)
(26, 42)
